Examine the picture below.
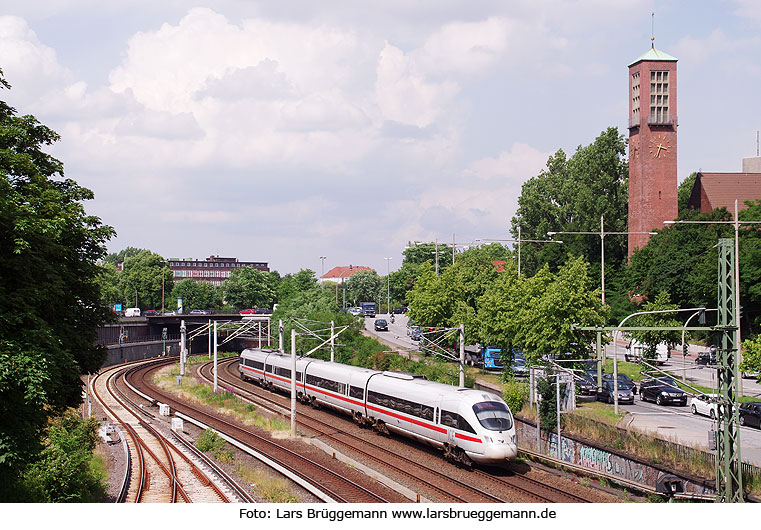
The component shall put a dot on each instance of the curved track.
(490, 487)
(339, 487)
(158, 469)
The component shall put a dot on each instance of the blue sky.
(285, 131)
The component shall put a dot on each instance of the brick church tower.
(652, 145)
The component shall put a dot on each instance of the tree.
(538, 315)
(50, 302)
(115, 258)
(751, 362)
(571, 195)
(684, 191)
(197, 295)
(364, 286)
(141, 275)
(421, 252)
(304, 280)
(249, 287)
(651, 338)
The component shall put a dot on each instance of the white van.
(132, 312)
(634, 352)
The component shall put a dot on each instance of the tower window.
(635, 99)
(659, 98)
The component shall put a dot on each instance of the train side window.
(357, 392)
(426, 413)
(268, 368)
(463, 425)
(299, 376)
(449, 418)
(257, 364)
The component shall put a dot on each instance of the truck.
(634, 352)
(368, 309)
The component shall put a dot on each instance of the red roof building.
(339, 274)
(714, 190)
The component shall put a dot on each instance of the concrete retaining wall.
(122, 353)
(604, 460)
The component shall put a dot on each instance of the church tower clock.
(652, 144)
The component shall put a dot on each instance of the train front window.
(493, 415)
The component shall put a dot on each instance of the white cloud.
(518, 165)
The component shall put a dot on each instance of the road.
(673, 423)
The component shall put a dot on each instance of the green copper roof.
(654, 55)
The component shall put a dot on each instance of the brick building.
(340, 274)
(717, 190)
(213, 269)
(652, 145)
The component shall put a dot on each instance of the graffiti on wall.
(566, 448)
(601, 460)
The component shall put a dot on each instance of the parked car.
(705, 404)
(662, 390)
(381, 324)
(150, 313)
(750, 414)
(624, 381)
(263, 311)
(606, 393)
(247, 311)
(586, 385)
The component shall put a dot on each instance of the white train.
(468, 425)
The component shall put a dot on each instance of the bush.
(65, 472)
(515, 395)
(209, 441)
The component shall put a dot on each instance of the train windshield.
(493, 415)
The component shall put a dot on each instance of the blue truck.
(368, 309)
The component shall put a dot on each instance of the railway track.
(330, 479)
(489, 488)
(159, 469)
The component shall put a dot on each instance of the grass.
(269, 488)
(225, 400)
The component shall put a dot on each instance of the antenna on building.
(652, 30)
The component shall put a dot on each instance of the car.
(150, 313)
(623, 382)
(400, 310)
(662, 390)
(263, 311)
(381, 324)
(519, 365)
(354, 311)
(199, 312)
(586, 385)
(705, 404)
(606, 393)
(750, 414)
(706, 357)
(132, 312)
(247, 312)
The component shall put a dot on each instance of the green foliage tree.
(651, 338)
(63, 473)
(684, 191)
(422, 252)
(197, 295)
(141, 275)
(304, 280)
(115, 258)
(751, 361)
(249, 287)
(50, 302)
(571, 195)
(536, 315)
(364, 286)
(108, 283)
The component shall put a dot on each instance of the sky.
(286, 131)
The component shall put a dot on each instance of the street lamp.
(602, 233)
(322, 279)
(519, 241)
(388, 283)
